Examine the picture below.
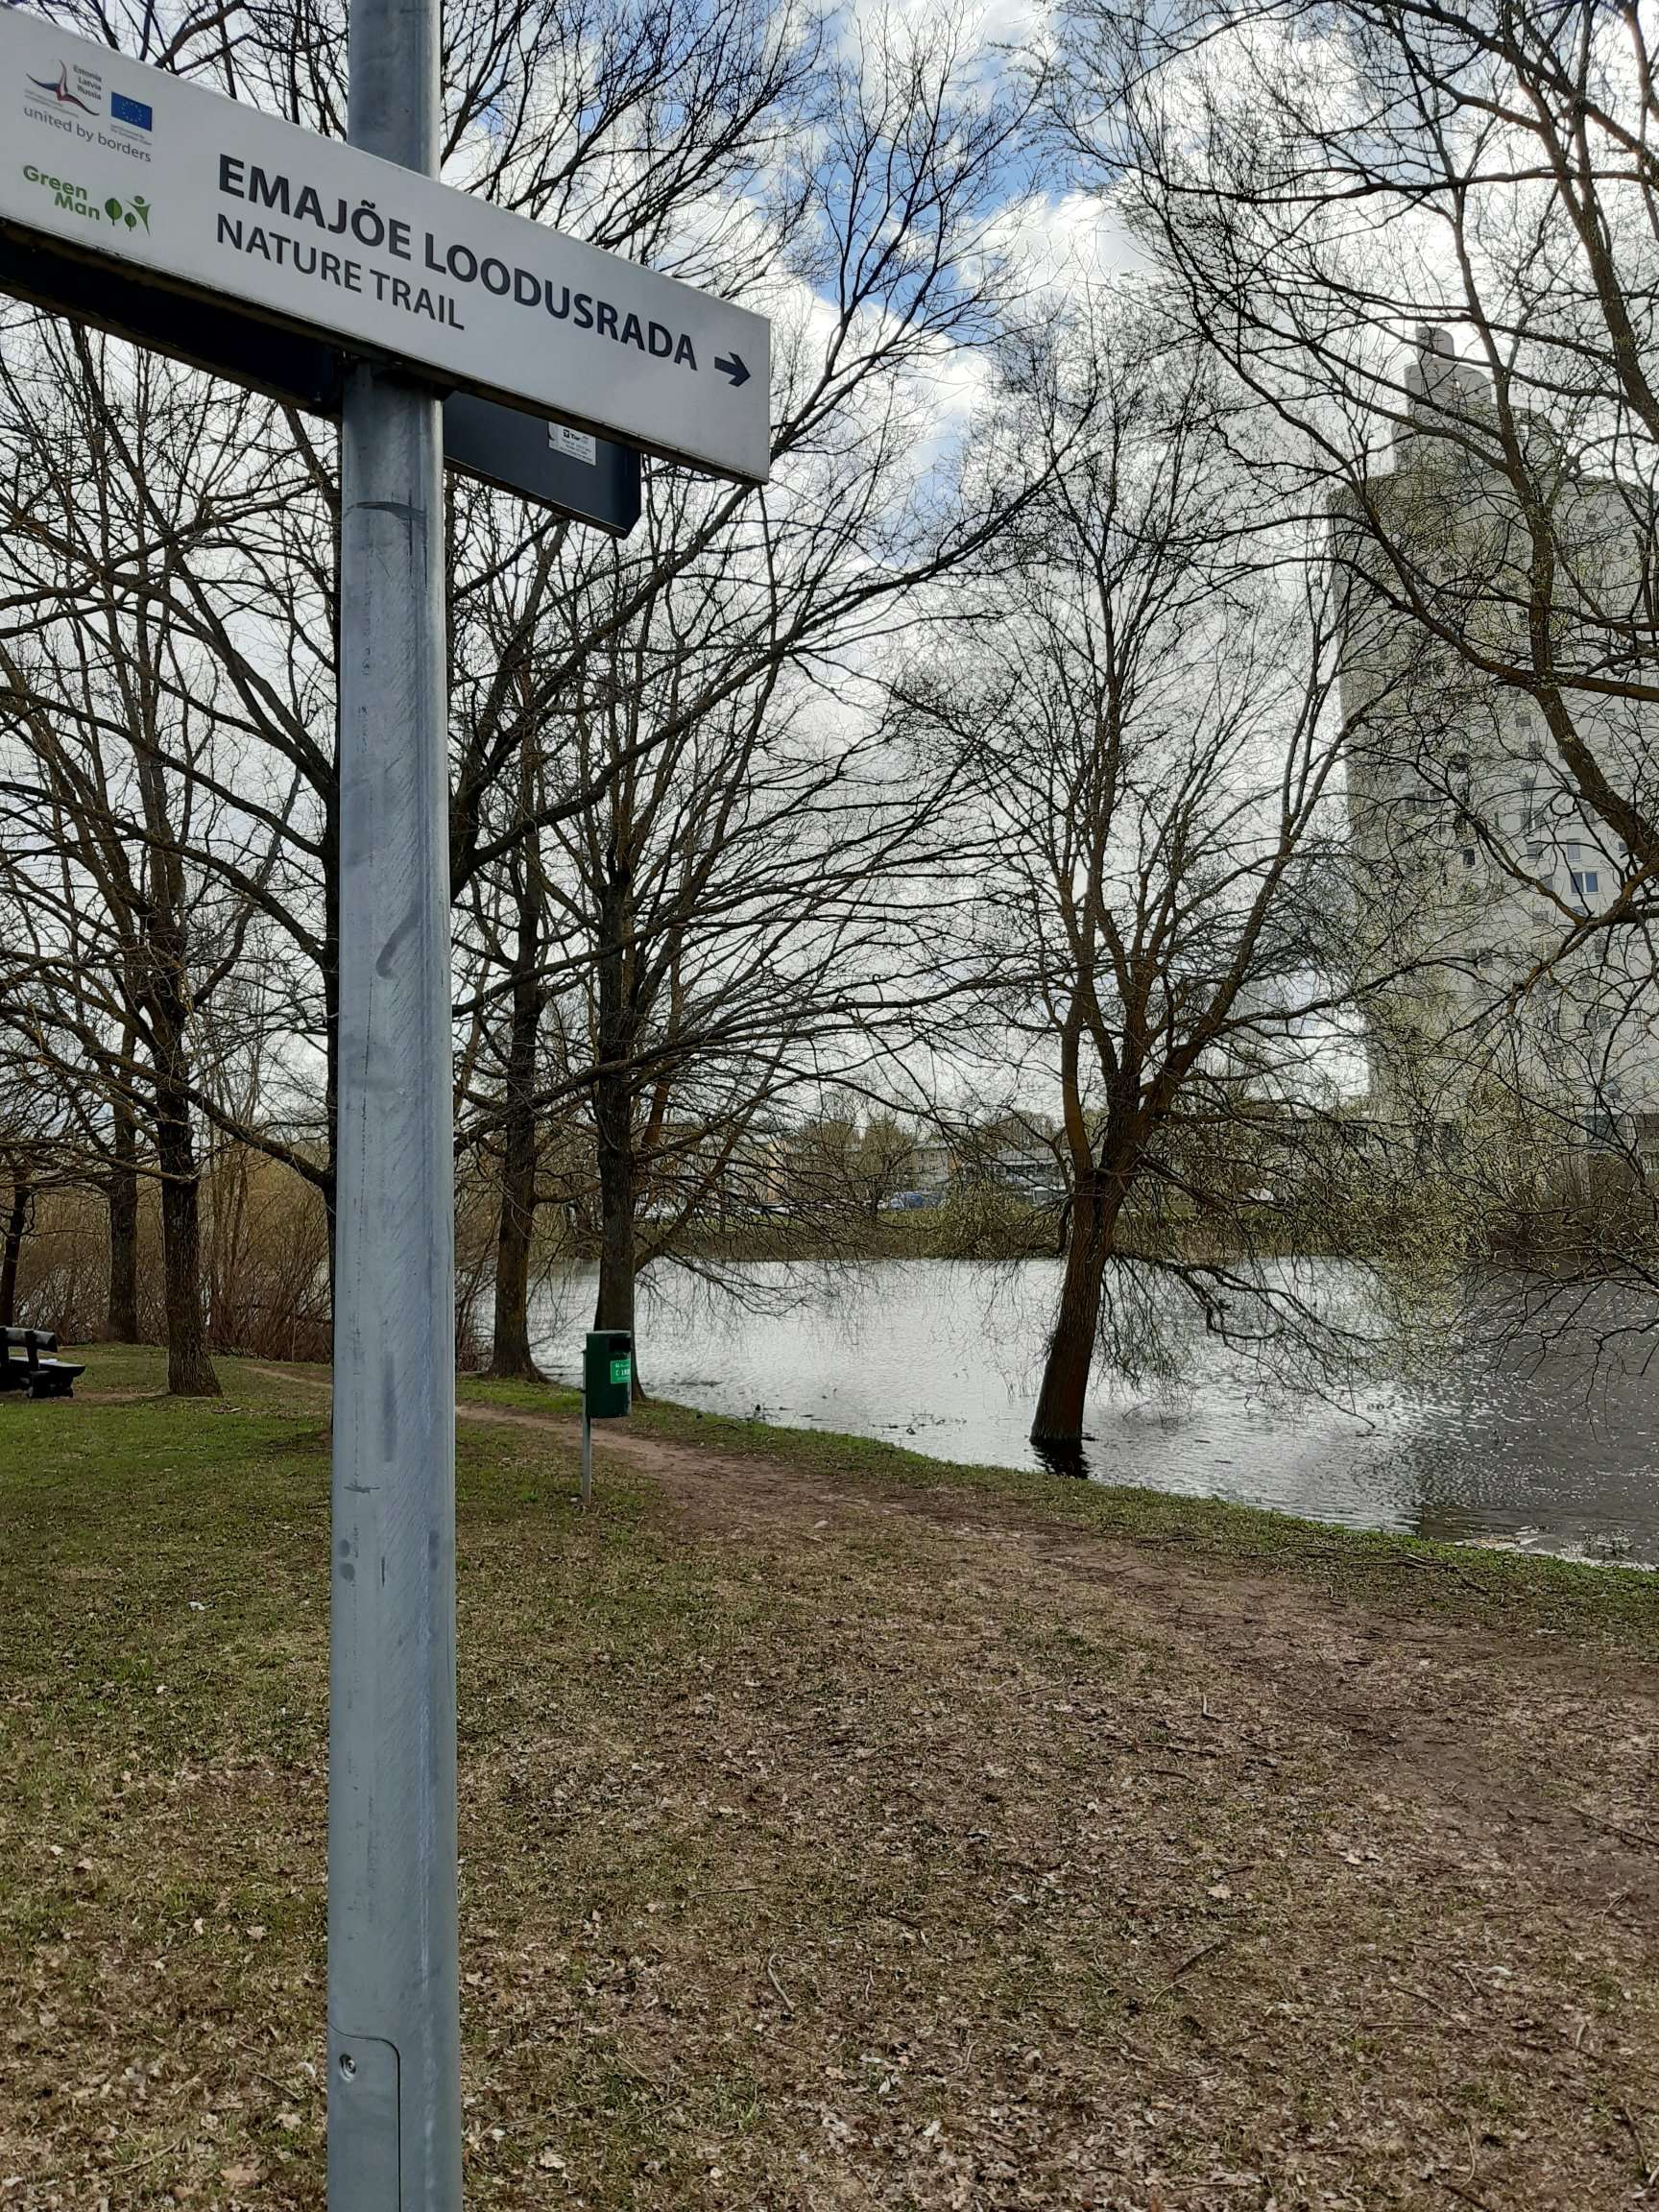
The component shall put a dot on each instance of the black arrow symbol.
(737, 369)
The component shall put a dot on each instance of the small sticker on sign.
(574, 445)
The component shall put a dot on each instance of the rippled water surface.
(1561, 1455)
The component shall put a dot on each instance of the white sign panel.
(213, 196)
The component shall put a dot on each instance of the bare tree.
(715, 842)
(738, 913)
(118, 773)
(1149, 717)
(856, 196)
(1423, 237)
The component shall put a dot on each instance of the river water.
(1560, 1453)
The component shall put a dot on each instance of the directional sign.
(218, 199)
(589, 479)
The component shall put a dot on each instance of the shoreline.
(1217, 1528)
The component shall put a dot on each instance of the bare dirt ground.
(837, 1842)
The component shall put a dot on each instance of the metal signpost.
(394, 1980)
(347, 280)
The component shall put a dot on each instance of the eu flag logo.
(134, 112)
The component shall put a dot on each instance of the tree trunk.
(189, 1369)
(163, 985)
(16, 1221)
(510, 1327)
(613, 1307)
(1064, 1391)
(123, 1196)
(614, 1123)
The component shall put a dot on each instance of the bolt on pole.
(394, 2008)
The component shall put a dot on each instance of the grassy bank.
(1524, 1591)
(838, 1829)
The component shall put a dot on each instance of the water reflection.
(1561, 1455)
(1062, 1458)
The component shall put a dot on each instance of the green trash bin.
(608, 1374)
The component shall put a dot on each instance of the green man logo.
(137, 212)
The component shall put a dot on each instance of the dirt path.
(1335, 1664)
(1328, 1663)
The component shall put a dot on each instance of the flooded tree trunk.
(1064, 1391)
(122, 1190)
(510, 1325)
(16, 1222)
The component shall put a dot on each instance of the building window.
(1586, 881)
(1534, 852)
(1468, 856)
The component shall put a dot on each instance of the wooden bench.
(40, 1377)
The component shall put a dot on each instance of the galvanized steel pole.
(394, 2035)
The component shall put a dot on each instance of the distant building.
(931, 1164)
(1472, 854)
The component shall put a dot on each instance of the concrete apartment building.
(1474, 862)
